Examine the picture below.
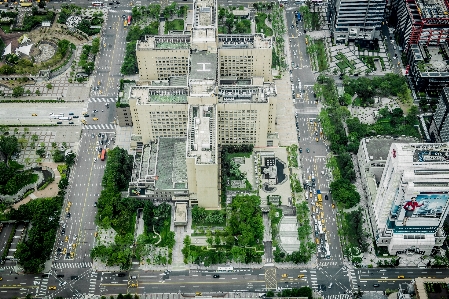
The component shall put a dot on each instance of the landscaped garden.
(311, 18)
(87, 21)
(343, 63)
(261, 27)
(118, 215)
(228, 23)
(35, 248)
(317, 52)
(307, 246)
(175, 25)
(240, 241)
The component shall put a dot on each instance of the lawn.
(261, 27)
(175, 25)
(6, 28)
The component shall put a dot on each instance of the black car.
(59, 123)
(60, 275)
(326, 197)
(117, 2)
(216, 276)
(76, 116)
(86, 115)
(376, 285)
(71, 122)
(95, 204)
(110, 3)
(45, 276)
(121, 274)
(300, 149)
(62, 231)
(123, 17)
(307, 150)
(68, 215)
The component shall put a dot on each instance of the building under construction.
(421, 22)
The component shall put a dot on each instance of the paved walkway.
(50, 191)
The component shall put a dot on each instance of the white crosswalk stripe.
(42, 290)
(353, 277)
(102, 100)
(324, 264)
(7, 268)
(339, 296)
(72, 265)
(313, 278)
(99, 127)
(93, 282)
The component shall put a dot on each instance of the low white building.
(418, 170)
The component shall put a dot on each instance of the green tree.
(95, 46)
(40, 152)
(345, 193)
(34, 137)
(9, 146)
(245, 225)
(49, 86)
(18, 91)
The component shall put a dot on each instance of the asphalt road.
(85, 186)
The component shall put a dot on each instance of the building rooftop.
(159, 94)
(204, 13)
(171, 169)
(431, 60)
(244, 41)
(180, 213)
(126, 92)
(429, 9)
(203, 65)
(378, 148)
(202, 134)
(242, 93)
(164, 42)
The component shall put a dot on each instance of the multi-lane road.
(73, 275)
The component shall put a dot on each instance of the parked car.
(216, 276)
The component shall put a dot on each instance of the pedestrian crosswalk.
(102, 100)
(99, 127)
(313, 279)
(331, 263)
(72, 265)
(7, 268)
(339, 296)
(92, 282)
(353, 277)
(41, 291)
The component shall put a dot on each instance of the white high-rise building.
(412, 170)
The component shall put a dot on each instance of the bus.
(225, 269)
(103, 154)
(26, 4)
(97, 3)
(65, 118)
(129, 20)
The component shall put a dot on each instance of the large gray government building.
(197, 90)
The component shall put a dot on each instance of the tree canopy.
(9, 146)
(345, 193)
(245, 225)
